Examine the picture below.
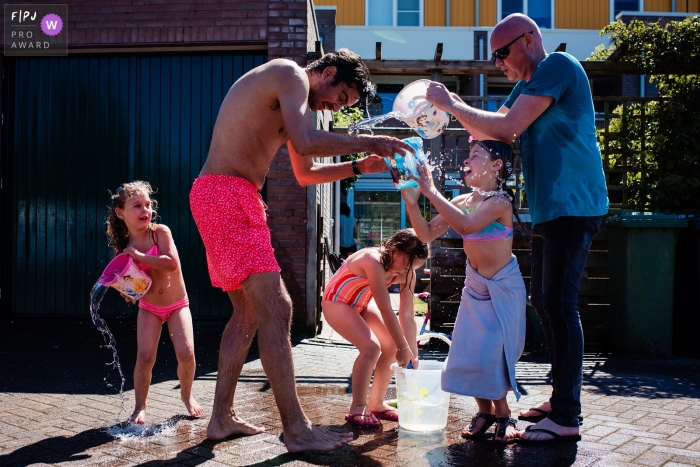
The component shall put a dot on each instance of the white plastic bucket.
(426, 119)
(422, 404)
(123, 274)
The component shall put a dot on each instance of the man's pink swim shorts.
(230, 216)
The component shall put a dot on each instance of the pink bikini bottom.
(164, 311)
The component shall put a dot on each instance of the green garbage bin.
(641, 247)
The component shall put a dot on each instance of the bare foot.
(192, 406)
(221, 428)
(545, 406)
(139, 416)
(384, 407)
(314, 438)
(549, 425)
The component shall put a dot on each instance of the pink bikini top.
(154, 251)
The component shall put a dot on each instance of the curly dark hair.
(351, 70)
(407, 242)
(117, 231)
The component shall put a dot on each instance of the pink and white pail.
(123, 274)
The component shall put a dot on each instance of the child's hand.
(403, 356)
(127, 298)
(425, 182)
(131, 251)
(410, 195)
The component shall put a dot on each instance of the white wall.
(407, 43)
(411, 43)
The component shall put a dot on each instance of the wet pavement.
(57, 407)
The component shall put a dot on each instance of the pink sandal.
(362, 421)
(390, 414)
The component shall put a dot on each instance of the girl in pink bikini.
(357, 305)
(131, 231)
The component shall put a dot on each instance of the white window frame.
(499, 10)
(395, 10)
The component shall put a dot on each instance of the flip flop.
(362, 421)
(556, 437)
(390, 414)
(542, 416)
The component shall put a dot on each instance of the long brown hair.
(407, 242)
(117, 231)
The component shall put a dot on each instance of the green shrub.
(663, 154)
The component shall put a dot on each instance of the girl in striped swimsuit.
(357, 305)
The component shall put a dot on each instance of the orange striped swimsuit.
(347, 287)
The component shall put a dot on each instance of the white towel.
(489, 335)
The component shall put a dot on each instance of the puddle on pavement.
(129, 431)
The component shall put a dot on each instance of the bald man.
(551, 110)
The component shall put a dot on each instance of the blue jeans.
(559, 252)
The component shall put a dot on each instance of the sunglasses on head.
(504, 51)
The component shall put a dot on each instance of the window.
(539, 10)
(408, 12)
(380, 13)
(394, 12)
(508, 7)
(626, 5)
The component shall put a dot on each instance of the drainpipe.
(481, 57)
(673, 6)
(336, 208)
(447, 13)
(476, 13)
(641, 85)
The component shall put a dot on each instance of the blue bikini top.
(493, 231)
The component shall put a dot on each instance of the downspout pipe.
(336, 209)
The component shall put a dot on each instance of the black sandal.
(501, 427)
(489, 418)
(542, 415)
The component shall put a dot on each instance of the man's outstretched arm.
(309, 172)
(504, 125)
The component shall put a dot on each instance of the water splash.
(96, 296)
(130, 431)
(368, 124)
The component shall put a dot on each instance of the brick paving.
(57, 408)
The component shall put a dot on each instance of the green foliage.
(342, 119)
(345, 116)
(661, 152)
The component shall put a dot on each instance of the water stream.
(96, 296)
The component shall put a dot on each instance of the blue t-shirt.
(562, 166)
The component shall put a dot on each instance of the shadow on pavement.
(72, 448)
(67, 356)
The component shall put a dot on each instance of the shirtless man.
(266, 108)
